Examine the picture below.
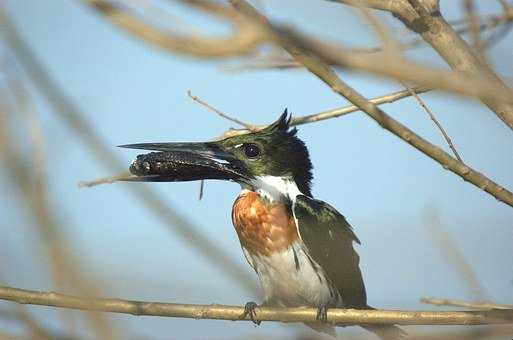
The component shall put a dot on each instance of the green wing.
(329, 240)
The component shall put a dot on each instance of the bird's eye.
(251, 150)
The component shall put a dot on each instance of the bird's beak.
(179, 162)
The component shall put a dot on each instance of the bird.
(301, 248)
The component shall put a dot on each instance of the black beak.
(178, 162)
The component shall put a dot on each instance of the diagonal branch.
(223, 312)
(436, 31)
(404, 70)
(220, 113)
(295, 45)
(437, 123)
(385, 99)
(460, 56)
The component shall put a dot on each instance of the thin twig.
(222, 312)
(334, 113)
(433, 118)
(465, 304)
(106, 180)
(220, 113)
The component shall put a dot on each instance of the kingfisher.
(300, 247)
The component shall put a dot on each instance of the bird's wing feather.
(329, 240)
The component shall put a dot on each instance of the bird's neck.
(275, 188)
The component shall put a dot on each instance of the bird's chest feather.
(263, 227)
(271, 244)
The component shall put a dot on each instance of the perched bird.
(301, 248)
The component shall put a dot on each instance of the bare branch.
(476, 85)
(272, 61)
(386, 99)
(430, 24)
(334, 113)
(124, 176)
(456, 52)
(220, 113)
(234, 313)
(243, 40)
(293, 44)
(437, 123)
(465, 304)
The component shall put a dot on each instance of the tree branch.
(431, 25)
(222, 312)
(458, 54)
(385, 99)
(243, 40)
(220, 113)
(294, 44)
(404, 70)
(273, 61)
(437, 123)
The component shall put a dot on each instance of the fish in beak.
(179, 162)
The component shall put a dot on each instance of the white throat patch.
(275, 188)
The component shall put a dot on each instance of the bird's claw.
(249, 310)
(322, 314)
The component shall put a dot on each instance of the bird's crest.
(282, 124)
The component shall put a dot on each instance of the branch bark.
(223, 312)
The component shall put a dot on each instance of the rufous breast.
(263, 227)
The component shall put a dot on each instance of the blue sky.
(131, 93)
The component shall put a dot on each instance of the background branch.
(72, 116)
(243, 40)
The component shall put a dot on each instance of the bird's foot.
(249, 310)
(322, 314)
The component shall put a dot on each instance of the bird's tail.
(386, 332)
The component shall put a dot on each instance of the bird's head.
(273, 156)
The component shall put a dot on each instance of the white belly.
(290, 278)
